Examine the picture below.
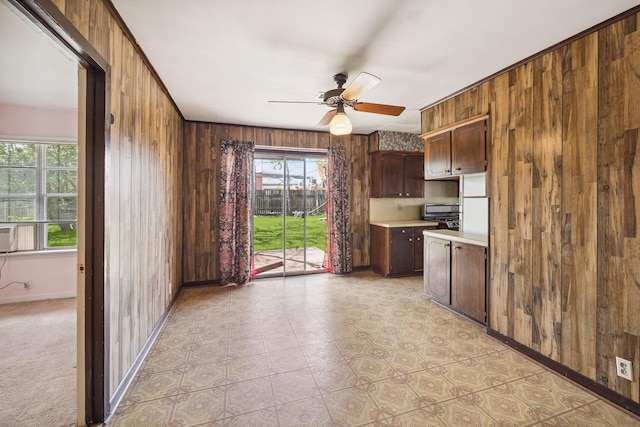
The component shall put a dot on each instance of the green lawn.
(268, 232)
(59, 238)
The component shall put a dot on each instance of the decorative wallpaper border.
(399, 141)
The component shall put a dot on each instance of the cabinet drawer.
(401, 231)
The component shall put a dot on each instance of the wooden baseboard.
(606, 393)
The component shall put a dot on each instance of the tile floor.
(325, 350)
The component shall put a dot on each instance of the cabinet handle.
(418, 239)
(457, 169)
(402, 231)
(400, 194)
(445, 170)
(410, 239)
(456, 247)
(407, 194)
(445, 245)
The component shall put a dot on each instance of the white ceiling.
(223, 61)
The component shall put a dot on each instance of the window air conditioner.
(8, 238)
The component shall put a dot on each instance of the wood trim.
(96, 325)
(565, 42)
(578, 378)
(456, 125)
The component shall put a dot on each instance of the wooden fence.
(299, 202)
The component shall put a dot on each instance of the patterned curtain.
(338, 235)
(235, 215)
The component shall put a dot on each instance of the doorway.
(92, 105)
(290, 221)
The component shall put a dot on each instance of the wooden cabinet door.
(401, 251)
(437, 269)
(437, 156)
(468, 148)
(413, 175)
(418, 248)
(379, 250)
(468, 288)
(392, 175)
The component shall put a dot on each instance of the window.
(38, 191)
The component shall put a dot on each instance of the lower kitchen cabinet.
(455, 275)
(397, 251)
(468, 290)
(437, 271)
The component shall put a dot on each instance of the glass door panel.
(290, 213)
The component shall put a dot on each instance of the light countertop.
(458, 236)
(404, 223)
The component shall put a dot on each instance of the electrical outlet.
(624, 369)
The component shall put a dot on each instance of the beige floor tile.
(351, 406)
(370, 368)
(392, 397)
(286, 360)
(417, 418)
(321, 353)
(310, 412)
(203, 376)
(153, 386)
(294, 385)
(333, 376)
(280, 341)
(327, 350)
(248, 396)
(260, 418)
(408, 361)
(459, 414)
(614, 415)
(199, 407)
(247, 368)
(505, 408)
(430, 388)
(152, 413)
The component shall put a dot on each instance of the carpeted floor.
(38, 363)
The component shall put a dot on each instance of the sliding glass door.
(289, 235)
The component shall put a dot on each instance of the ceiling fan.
(336, 118)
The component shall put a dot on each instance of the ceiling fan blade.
(327, 118)
(297, 102)
(391, 110)
(361, 84)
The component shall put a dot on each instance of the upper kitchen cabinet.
(455, 151)
(397, 174)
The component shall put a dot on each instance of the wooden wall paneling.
(617, 188)
(200, 216)
(60, 4)
(579, 206)
(112, 203)
(500, 313)
(78, 12)
(189, 202)
(358, 167)
(143, 186)
(563, 232)
(520, 205)
(99, 18)
(547, 133)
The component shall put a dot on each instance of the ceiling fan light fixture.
(340, 124)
